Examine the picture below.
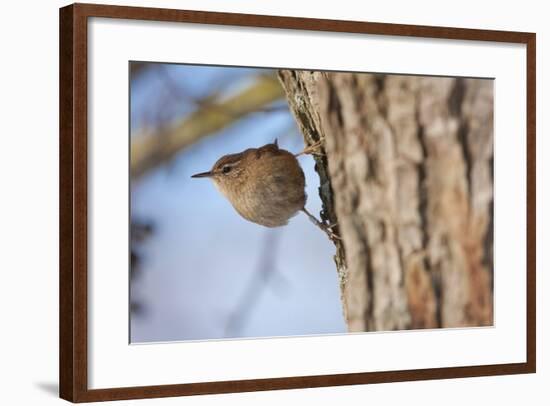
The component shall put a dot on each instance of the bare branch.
(149, 150)
(263, 275)
(137, 68)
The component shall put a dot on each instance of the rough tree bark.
(407, 174)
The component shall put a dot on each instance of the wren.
(265, 185)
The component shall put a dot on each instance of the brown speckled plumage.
(265, 185)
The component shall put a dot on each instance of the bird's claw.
(312, 149)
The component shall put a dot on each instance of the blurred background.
(198, 270)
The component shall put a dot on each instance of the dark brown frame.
(73, 362)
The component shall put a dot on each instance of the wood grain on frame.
(73, 362)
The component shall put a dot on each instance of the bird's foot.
(327, 228)
(313, 149)
(331, 234)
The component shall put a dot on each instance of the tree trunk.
(407, 174)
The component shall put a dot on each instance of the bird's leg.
(312, 149)
(327, 228)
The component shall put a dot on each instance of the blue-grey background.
(202, 271)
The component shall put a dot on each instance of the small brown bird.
(265, 185)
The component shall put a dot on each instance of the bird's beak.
(203, 175)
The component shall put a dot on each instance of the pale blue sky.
(199, 263)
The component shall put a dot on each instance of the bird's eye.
(226, 169)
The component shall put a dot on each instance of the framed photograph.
(254, 202)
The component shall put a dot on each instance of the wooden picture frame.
(73, 197)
